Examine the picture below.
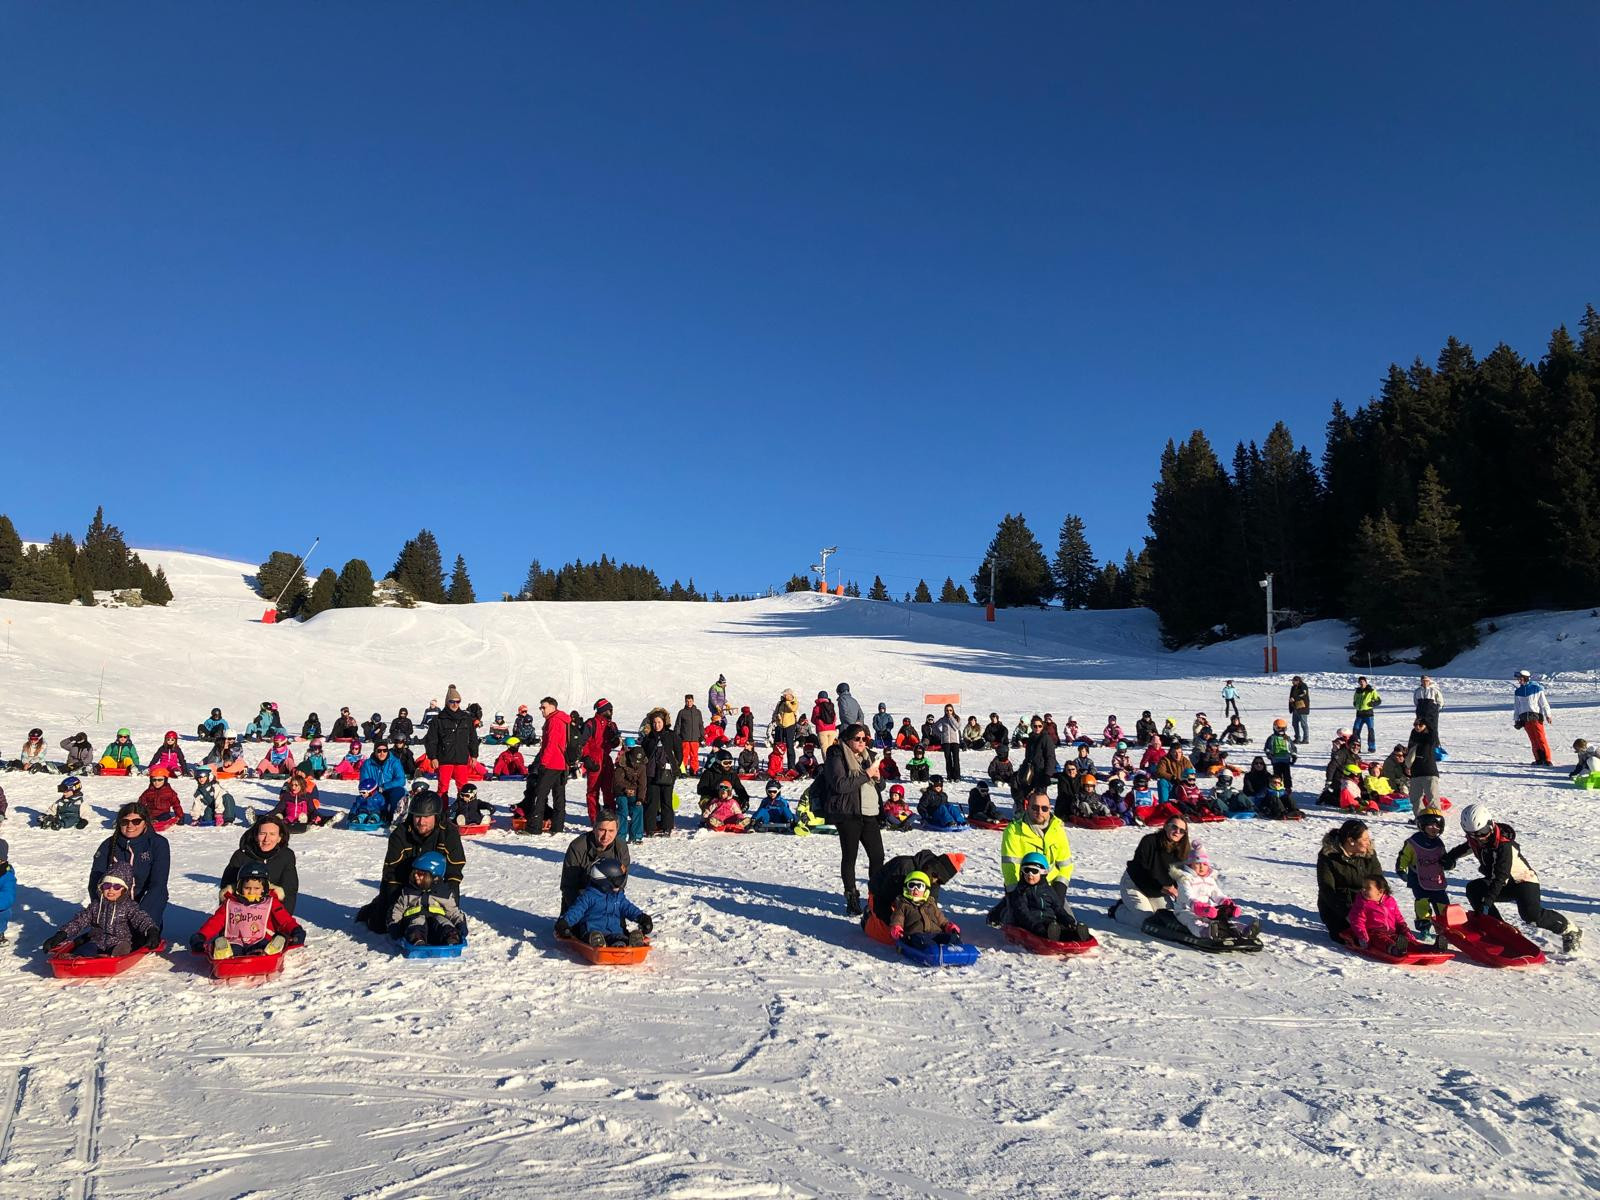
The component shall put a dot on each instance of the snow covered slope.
(767, 1048)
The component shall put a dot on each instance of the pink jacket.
(1376, 920)
(724, 812)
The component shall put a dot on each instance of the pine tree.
(1136, 578)
(419, 568)
(1192, 502)
(354, 587)
(10, 553)
(1377, 590)
(107, 553)
(460, 584)
(282, 573)
(157, 591)
(853, 589)
(878, 591)
(798, 583)
(82, 579)
(40, 577)
(1567, 499)
(1108, 590)
(950, 593)
(922, 595)
(322, 594)
(1022, 575)
(1443, 604)
(1074, 569)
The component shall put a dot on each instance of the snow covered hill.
(767, 1048)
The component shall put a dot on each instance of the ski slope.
(767, 1048)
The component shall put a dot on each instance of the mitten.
(152, 940)
(1204, 908)
(645, 923)
(55, 940)
(951, 927)
(897, 932)
(298, 936)
(197, 944)
(276, 944)
(565, 930)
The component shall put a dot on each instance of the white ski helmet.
(1476, 819)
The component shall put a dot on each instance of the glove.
(565, 930)
(298, 937)
(152, 940)
(951, 927)
(276, 944)
(197, 944)
(897, 932)
(55, 940)
(645, 923)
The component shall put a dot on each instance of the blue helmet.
(432, 862)
(1035, 859)
(70, 784)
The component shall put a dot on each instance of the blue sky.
(708, 286)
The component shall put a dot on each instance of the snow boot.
(852, 903)
(1571, 939)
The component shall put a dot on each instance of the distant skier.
(1531, 715)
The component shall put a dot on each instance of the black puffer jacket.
(282, 873)
(452, 738)
(1032, 906)
(1339, 881)
(1155, 861)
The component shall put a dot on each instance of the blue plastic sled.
(959, 955)
(1246, 814)
(1440, 754)
(1401, 804)
(932, 828)
(407, 950)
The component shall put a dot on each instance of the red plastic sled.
(987, 824)
(473, 830)
(247, 964)
(1095, 822)
(1488, 940)
(729, 829)
(67, 966)
(1039, 945)
(1207, 818)
(115, 771)
(1416, 958)
(608, 956)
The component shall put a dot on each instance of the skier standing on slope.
(1531, 715)
(1429, 700)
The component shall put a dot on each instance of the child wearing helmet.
(160, 802)
(807, 764)
(918, 768)
(1226, 798)
(1352, 795)
(32, 757)
(1421, 865)
(1036, 906)
(1505, 875)
(1276, 804)
(470, 809)
(1187, 797)
(314, 762)
(936, 808)
(170, 755)
(1203, 907)
(895, 813)
(424, 913)
(724, 812)
(1118, 800)
(1280, 753)
(774, 814)
(915, 916)
(278, 761)
(1122, 759)
(212, 806)
(499, 731)
(888, 769)
(110, 924)
(250, 920)
(121, 754)
(509, 763)
(68, 812)
(1587, 773)
(599, 913)
(1086, 801)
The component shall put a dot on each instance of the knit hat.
(1197, 855)
(602, 705)
(450, 693)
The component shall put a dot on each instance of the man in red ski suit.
(600, 738)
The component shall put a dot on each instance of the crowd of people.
(404, 774)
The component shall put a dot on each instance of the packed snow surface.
(767, 1048)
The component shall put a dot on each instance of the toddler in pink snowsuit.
(1375, 919)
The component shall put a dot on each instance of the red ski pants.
(691, 757)
(1540, 743)
(460, 772)
(598, 788)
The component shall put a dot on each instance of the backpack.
(825, 713)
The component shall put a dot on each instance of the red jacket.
(161, 806)
(817, 715)
(279, 919)
(553, 742)
(510, 762)
(602, 739)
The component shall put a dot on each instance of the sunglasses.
(131, 821)
(381, 750)
(859, 738)
(1033, 870)
(1177, 831)
(1038, 808)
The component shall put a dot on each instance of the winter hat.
(822, 695)
(1197, 855)
(118, 875)
(451, 693)
(842, 688)
(602, 705)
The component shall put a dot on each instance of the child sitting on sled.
(510, 764)
(936, 809)
(298, 803)
(1036, 906)
(1203, 907)
(1119, 802)
(250, 920)
(349, 767)
(1375, 920)
(723, 812)
(160, 802)
(1086, 802)
(1227, 798)
(112, 924)
(915, 916)
(897, 814)
(776, 768)
(422, 916)
(599, 913)
(1587, 772)
(807, 763)
(211, 805)
(774, 814)
(469, 809)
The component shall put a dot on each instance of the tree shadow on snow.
(37, 914)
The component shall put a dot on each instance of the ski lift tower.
(821, 568)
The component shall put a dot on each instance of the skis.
(1489, 940)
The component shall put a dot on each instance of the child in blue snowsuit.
(597, 915)
(774, 812)
(8, 888)
(937, 810)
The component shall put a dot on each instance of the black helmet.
(252, 870)
(608, 874)
(424, 804)
(467, 789)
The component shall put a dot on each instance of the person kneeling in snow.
(598, 914)
(112, 924)
(774, 813)
(250, 920)
(1202, 905)
(724, 813)
(423, 916)
(916, 919)
(1036, 906)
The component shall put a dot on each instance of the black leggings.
(1526, 898)
(862, 832)
(658, 813)
(952, 762)
(545, 795)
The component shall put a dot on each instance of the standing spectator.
(826, 720)
(1429, 700)
(1532, 714)
(849, 784)
(600, 738)
(849, 710)
(452, 742)
(948, 728)
(1422, 766)
(784, 717)
(546, 789)
(1300, 710)
(662, 754)
(1230, 699)
(717, 697)
(1366, 701)
(1038, 767)
(691, 730)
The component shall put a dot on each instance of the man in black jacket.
(452, 743)
(721, 769)
(423, 830)
(587, 849)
